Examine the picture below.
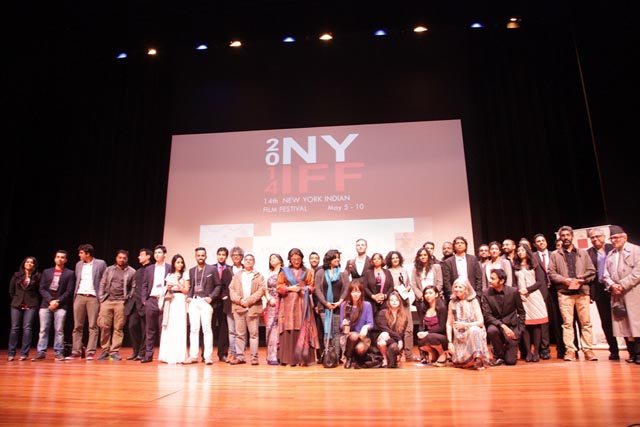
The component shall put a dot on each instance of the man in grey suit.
(89, 271)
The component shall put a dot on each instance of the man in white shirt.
(89, 271)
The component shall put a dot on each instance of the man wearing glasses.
(621, 278)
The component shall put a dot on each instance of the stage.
(552, 392)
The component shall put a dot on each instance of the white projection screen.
(397, 185)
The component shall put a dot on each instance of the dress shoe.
(103, 356)
(630, 360)
(637, 360)
(348, 363)
(535, 357)
(223, 359)
(255, 362)
(132, 357)
(614, 356)
(230, 359)
(146, 360)
(273, 362)
(90, 356)
(40, 356)
(190, 360)
(116, 356)
(59, 357)
(497, 362)
(237, 362)
(529, 358)
(72, 357)
(569, 356)
(590, 356)
(545, 355)
(23, 357)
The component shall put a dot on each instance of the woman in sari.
(296, 324)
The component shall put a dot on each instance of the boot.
(392, 356)
(631, 348)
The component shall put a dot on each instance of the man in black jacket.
(504, 317)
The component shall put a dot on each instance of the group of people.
(508, 299)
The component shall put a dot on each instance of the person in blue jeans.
(56, 290)
(23, 289)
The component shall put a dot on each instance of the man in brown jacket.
(571, 270)
(245, 292)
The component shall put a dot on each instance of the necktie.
(544, 262)
(220, 269)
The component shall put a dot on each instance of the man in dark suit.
(222, 303)
(358, 266)
(134, 308)
(56, 288)
(504, 317)
(153, 288)
(598, 254)
(462, 265)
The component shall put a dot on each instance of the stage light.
(477, 25)
(514, 22)
(121, 55)
(380, 33)
(326, 37)
(420, 29)
(152, 52)
(288, 39)
(202, 47)
(235, 43)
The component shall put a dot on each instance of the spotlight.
(380, 33)
(477, 25)
(235, 43)
(121, 55)
(202, 47)
(152, 52)
(326, 37)
(514, 22)
(288, 39)
(420, 29)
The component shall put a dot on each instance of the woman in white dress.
(530, 277)
(173, 341)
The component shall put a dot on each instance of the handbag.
(618, 309)
(329, 355)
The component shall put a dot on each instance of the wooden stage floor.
(551, 392)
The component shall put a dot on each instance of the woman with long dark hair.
(530, 277)
(24, 293)
(173, 339)
(356, 320)
(271, 311)
(432, 338)
(391, 322)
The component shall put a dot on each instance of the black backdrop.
(546, 113)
